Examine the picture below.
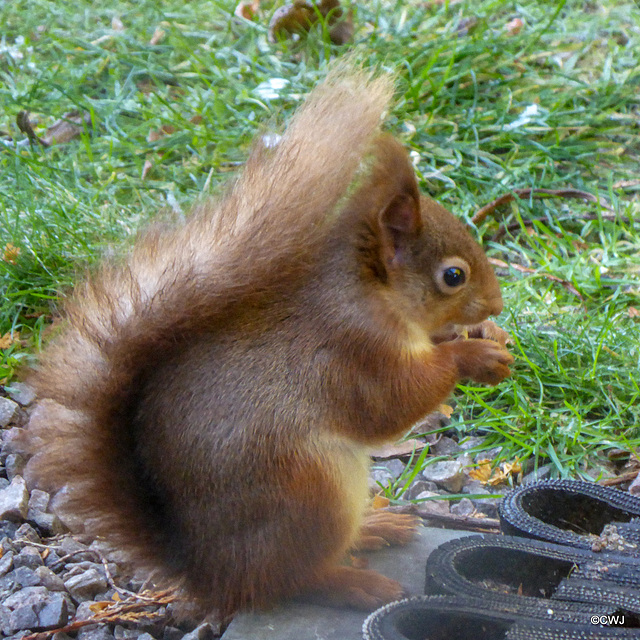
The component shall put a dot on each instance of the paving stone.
(298, 621)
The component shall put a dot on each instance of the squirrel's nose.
(495, 306)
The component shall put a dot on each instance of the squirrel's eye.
(452, 274)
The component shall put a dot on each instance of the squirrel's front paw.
(482, 360)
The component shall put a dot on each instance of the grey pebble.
(14, 465)
(463, 508)
(417, 488)
(36, 608)
(8, 409)
(14, 500)
(6, 563)
(25, 577)
(49, 579)
(25, 532)
(447, 474)
(122, 633)
(85, 585)
(13, 441)
(445, 447)
(28, 557)
(92, 632)
(202, 632)
(21, 393)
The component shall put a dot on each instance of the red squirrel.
(212, 397)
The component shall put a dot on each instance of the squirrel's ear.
(399, 222)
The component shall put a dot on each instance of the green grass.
(463, 86)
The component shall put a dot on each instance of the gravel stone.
(49, 579)
(445, 447)
(419, 487)
(488, 506)
(28, 533)
(447, 474)
(471, 442)
(540, 474)
(48, 523)
(35, 608)
(436, 507)
(202, 632)
(122, 633)
(55, 613)
(14, 465)
(6, 563)
(21, 393)
(172, 633)
(28, 557)
(13, 441)
(463, 508)
(14, 500)
(86, 585)
(100, 632)
(39, 500)
(25, 577)
(8, 409)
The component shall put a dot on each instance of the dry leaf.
(70, 126)
(157, 36)
(99, 606)
(446, 410)
(8, 339)
(482, 472)
(513, 27)
(398, 450)
(11, 253)
(379, 502)
(512, 468)
(633, 312)
(497, 477)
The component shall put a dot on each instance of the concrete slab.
(298, 621)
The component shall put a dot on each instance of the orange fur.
(212, 397)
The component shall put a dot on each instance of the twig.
(482, 213)
(565, 283)
(622, 478)
(452, 521)
(123, 611)
(514, 226)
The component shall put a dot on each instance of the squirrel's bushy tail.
(176, 282)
